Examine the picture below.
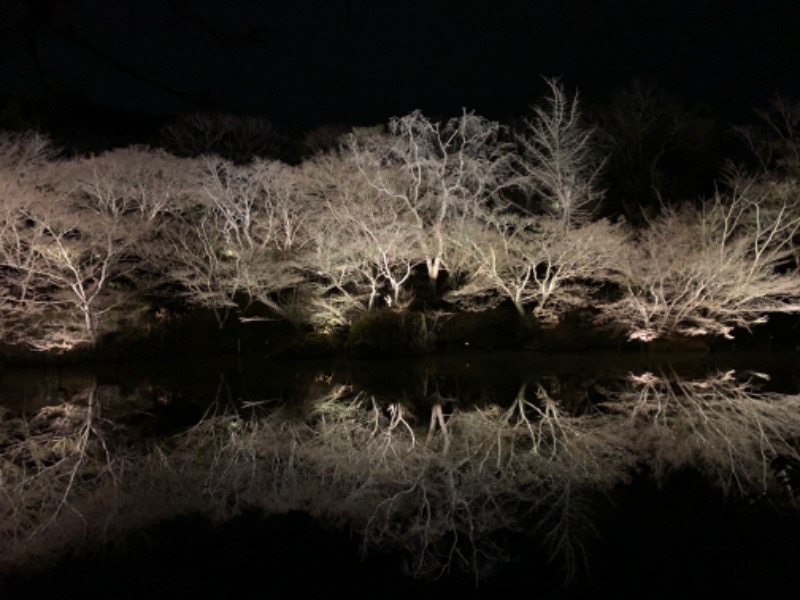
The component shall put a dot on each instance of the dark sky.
(308, 62)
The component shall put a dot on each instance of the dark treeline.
(644, 218)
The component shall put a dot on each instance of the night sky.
(310, 62)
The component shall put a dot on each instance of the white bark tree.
(21, 152)
(363, 252)
(556, 161)
(242, 241)
(130, 181)
(435, 173)
(66, 254)
(61, 266)
(193, 254)
(535, 261)
(707, 270)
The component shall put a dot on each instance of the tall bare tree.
(436, 173)
(557, 162)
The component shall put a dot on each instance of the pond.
(472, 472)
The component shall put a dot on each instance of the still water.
(474, 472)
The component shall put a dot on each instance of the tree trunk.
(434, 266)
(520, 308)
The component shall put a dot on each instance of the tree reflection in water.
(439, 482)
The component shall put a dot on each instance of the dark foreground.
(680, 541)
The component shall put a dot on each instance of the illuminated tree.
(60, 267)
(535, 261)
(709, 269)
(363, 243)
(556, 161)
(241, 240)
(435, 174)
(129, 181)
(19, 153)
(66, 254)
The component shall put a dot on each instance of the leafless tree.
(193, 255)
(242, 238)
(125, 181)
(360, 235)
(435, 173)
(22, 151)
(775, 140)
(64, 256)
(706, 270)
(326, 138)
(362, 252)
(557, 162)
(534, 260)
(653, 143)
(237, 138)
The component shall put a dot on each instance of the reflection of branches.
(53, 469)
(348, 459)
(719, 423)
(443, 501)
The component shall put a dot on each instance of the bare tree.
(129, 181)
(435, 173)
(556, 161)
(369, 238)
(706, 270)
(23, 151)
(65, 255)
(242, 240)
(775, 140)
(534, 260)
(193, 254)
(60, 261)
(363, 250)
(237, 138)
(658, 149)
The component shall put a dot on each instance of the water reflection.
(439, 476)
